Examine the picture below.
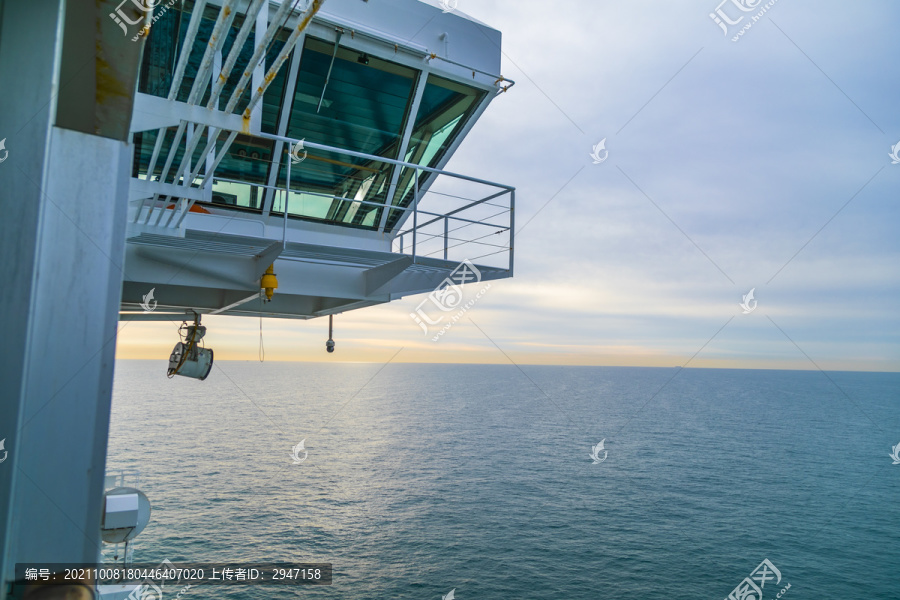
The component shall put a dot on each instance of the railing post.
(415, 210)
(401, 244)
(287, 196)
(446, 219)
(512, 230)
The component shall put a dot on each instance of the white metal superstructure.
(216, 167)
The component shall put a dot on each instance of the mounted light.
(188, 359)
(329, 345)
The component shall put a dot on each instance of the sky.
(762, 163)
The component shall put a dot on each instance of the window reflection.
(445, 108)
(363, 108)
(363, 105)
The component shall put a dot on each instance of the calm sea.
(421, 479)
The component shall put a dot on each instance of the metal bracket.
(152, 112)
(377, 277)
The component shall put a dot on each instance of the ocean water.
(425, 478)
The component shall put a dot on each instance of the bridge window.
(362, 106)
(343, 98)
(443, 113)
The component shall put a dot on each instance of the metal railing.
(435, 234)
(429, 234)
(440, 214)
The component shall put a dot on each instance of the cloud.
(752, 158)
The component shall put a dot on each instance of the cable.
(262, 349)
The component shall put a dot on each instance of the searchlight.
(188, 359)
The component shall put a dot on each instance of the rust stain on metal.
(316, 5)
(273, 70)
(108, 84)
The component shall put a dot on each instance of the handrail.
(376, 204)
(390, 161)
(417, 230)
(449, 231)
(470, 205)
(497, 78)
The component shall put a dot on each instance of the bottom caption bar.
(169, 573)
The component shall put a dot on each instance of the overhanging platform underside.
(206, 272)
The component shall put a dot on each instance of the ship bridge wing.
(316, 140)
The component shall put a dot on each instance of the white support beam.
(259, 73)
(378, 277)
(238, 303)
(153, 112)
(278, 151)
(159, 316)
(141, 188)
(267, 257)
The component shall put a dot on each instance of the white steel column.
(63, 194)
(283, 119)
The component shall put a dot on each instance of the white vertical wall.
(62, 226)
